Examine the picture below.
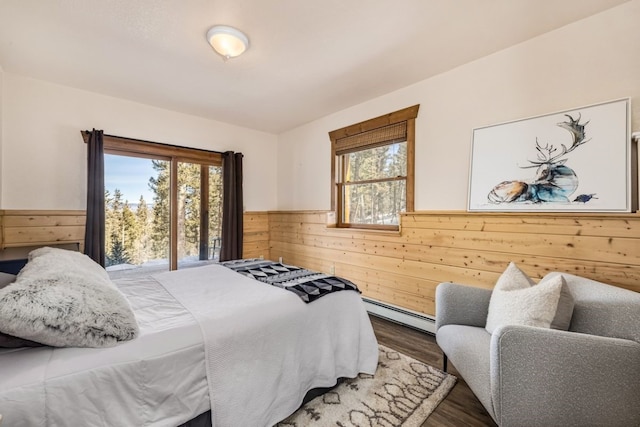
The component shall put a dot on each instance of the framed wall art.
(573, 160)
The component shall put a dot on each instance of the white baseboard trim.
(401, 315)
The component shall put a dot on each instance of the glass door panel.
(189, 213)
(215, 212)
(137, 214)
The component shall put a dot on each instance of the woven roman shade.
(392, 128)
(384, 135)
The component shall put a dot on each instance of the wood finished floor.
(460, 407)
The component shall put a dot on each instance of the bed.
(208, 339)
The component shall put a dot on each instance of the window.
(180, 219)
(372, 171)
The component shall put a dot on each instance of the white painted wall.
(1, 129)
(590, 61)
(44, 158)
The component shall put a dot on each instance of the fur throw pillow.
(64, 299)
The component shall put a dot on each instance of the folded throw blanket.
(307, 284)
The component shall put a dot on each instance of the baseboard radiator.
(401, 315)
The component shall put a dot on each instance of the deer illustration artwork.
(554, 180)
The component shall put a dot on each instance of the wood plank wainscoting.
(255, 241)
(403, 268)
(21, 228)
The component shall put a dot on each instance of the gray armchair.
(526, 376)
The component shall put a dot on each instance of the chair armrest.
(544, 377)
(461, 305)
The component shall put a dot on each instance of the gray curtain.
(94, 230)
(232, 206)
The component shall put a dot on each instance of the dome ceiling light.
(227, 41)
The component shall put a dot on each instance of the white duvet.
(209, 338)
(265, 347)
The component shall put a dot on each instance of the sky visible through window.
(130, 175)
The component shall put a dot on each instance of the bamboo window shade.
(398, 126)
(396, 132)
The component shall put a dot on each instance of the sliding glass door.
(162, 212)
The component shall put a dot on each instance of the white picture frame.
(571, 160)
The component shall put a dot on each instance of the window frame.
(407, 115)
(174, 154)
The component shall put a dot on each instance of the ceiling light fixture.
(227, 41)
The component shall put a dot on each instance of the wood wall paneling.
(255, 242)
(41, 227)
(403, 268)
(46, 227)
(474, 248)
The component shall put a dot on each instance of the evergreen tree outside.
(160, 221)
(215, 210)
(108, 225)
(188, 210)
(115, 230)
(117, 255)
(130, 233)
(143, 241)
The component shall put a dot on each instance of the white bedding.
(156, 379)
(264, 349)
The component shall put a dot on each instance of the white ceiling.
(307, 58)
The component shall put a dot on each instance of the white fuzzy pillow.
(517, 300)
(64, 299)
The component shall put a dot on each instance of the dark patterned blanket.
(307, 284)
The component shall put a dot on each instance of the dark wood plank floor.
(461, 407)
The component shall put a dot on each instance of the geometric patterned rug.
(403, 392)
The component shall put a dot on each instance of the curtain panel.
(233, 206)
(94, 231)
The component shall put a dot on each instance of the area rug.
(403, 392)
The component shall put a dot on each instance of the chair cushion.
(602, 309)
(469, 350)
(516, 300)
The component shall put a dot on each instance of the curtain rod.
(86, 133)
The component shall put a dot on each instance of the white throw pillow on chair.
(517, 300)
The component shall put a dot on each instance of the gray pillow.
(62, 298)
(564, 312)
(6, 279)
(8, 341)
